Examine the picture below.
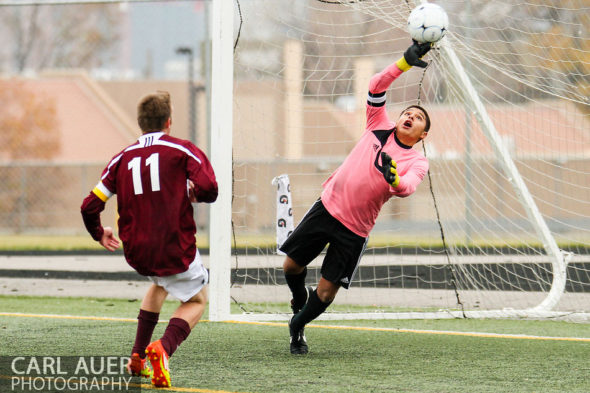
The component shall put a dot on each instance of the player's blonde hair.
(153, 111)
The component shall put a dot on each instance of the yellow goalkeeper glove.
(413, 56)
(389, 170)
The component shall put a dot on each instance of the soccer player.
(381, 165)
(155, 180)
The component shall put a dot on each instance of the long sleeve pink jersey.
(356, 191)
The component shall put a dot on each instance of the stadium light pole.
(192, 93)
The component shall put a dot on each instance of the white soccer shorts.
(185, 285)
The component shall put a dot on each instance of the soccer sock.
(313, 309)
(177, 331)
(146, 322)
(296, 283)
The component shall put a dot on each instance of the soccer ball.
(428, 23)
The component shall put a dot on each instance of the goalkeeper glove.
(413, 56)
(389, 170)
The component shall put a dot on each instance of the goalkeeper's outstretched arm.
(412, 57)
(381, 81)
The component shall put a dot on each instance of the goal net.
(500, 227)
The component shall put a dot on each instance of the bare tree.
(60, 36)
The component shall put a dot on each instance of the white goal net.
(500, 226)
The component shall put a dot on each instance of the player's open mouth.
(408, 123)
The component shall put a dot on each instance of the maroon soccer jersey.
(156, 222)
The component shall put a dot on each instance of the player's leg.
(303, 246)
(338, 269)
(319, 300)
(295, 276)
(326, 291)
(149, 313)
(154, 299)
(192, 310)
(179, 327)
(189, 287)
(183, 320)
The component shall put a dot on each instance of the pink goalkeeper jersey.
(356, 191)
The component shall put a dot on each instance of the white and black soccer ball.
(428, 23)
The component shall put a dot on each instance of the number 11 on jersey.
(135, 167)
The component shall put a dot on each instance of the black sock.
(296, 283)
(313, 309)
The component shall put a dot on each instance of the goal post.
(221, 157)
(487, 125)
(500, 226)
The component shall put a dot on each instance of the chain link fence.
(71, 75)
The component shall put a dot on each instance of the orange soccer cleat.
(138, 366)
(159, 359)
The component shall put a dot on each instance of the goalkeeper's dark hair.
(153, 111)
(425, 114)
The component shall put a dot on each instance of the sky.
(156, 30)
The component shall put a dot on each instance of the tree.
(60, 36)
(29, 131)
(28, 123)
(568, 48)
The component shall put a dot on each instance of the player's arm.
(376, 114)
(91, 208)
(380, 82)
(403, 186)
(202, 176)
(410, 180)
(413, 56)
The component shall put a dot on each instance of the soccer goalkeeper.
(381, 165)
(155, 180)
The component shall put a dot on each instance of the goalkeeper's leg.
(318, 302)
(295, 277)
(338, 269)
(301, 247)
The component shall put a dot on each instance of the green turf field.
(255, 358)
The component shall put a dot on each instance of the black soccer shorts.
(318, 228)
